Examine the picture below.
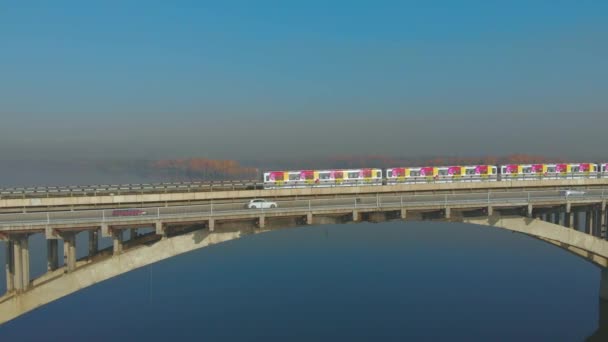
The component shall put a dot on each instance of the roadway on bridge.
(363, 202)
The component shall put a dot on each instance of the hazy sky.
(266, 79)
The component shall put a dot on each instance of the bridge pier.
(25, 259)
(448, 212)
(69, 251)
(557, 217)
(211, 225)
(93, 242)
(17, 265)
(52, 255)
(117, 241)
(530, 210)
(160, 229)
(10, 266)
(589, 221)
(603, 221)
(308, 218)
(403, 213)
(595, 221)
(132, 234)
(577, 220)
(261, 222)
(356, 217)
(569, 220)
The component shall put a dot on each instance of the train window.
(527, 169)
(470, 171)
(550, 168)
(415, 173)
(324, 175)
(294, 177)
(443, 172)
(575, 169)
(267, 178)
(389, 173)
(379, 174)
(353, 175)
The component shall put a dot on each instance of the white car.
(261, 204)
(571, 193)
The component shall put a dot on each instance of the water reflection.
(400, 281)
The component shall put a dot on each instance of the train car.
(548, 171)
(424, 174)
(604, 170)
(442, 174)
(322, 178)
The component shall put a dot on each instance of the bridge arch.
(590, 248)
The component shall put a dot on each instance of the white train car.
(604, 170)
(442, 174)
(322, 178)
(548, 171)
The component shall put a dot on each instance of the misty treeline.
(179, 170)
(203, 169)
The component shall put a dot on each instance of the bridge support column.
(211, 225)
(403, 213)
(25, 259)
(576, 225)
(589, 221)
(117, 241)
(603, 221)
(604, 284)
(356, 216)
(595, 222)
(52, 255)
(557, 217)
(10, 266)
(160, 230)
(448, 212)
(93, 242)
(309, 218)
(17, 265)
(261, 222)
(490, 211)
(132, 234)
(569, 220)
(69, 251)
(530, 210)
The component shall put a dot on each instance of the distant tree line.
(203, 169)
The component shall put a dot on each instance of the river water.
(389, 281)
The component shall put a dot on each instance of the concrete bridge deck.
(179, 229)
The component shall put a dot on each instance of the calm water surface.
(390, 281)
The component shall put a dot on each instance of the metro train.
(432, 174)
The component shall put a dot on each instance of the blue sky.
(240, 78)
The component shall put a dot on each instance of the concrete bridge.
(575, 223)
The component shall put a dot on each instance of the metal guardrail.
(349, 203)
(127, 189)
(181, 187)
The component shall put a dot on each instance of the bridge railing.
(185, 187)
(127, 189)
